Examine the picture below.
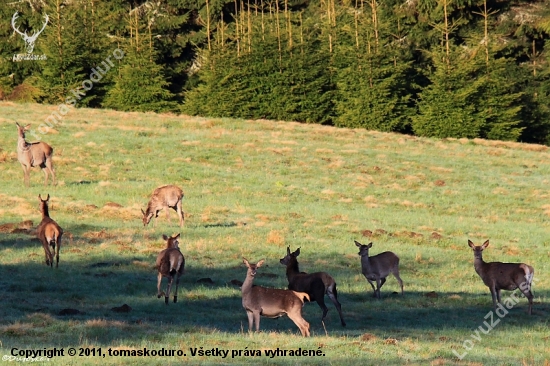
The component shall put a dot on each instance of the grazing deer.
(316, 285)
(164, 197)
(270, 302)
(49, 233)
(170, 264)
(378, 267)
(32, 154)
(503, 276)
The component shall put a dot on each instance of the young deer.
(316, 285)
(503, 276)
(270, 302)
(378, 267)
(164, 197)
(49, 233)
(170, 263)
(32, 154)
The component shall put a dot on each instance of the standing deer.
(503, 276)
(49, 233)
(164, 197)
(270, 302)
(170, 263)
(316, 285)
(32, 154)
(378, 267)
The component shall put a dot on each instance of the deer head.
(29, 40)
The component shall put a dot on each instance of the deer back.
(505, 276)
(169, 260)
(380, 264)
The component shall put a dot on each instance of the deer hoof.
(175, 299)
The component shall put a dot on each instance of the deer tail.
(529, 273)
(302, 296)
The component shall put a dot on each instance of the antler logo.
(29, 40)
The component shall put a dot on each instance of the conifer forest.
(438, 68)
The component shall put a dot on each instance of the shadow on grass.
(97, 283)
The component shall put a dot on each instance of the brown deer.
(503, 276)
(31, 154)
(316, 285)
(170, 263)
(49, 233)
(378, 267)
(271, 302)
(164, 197)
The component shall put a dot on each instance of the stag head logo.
(29, 40)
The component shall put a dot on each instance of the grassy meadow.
(252, 188)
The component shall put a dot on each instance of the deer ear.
(370, 245)
(287, 250)
(39, 197)
(357, 243)
(48, 198)
(246, 262)
(17, 123)
(471, 244)
(143, 212)
(260, 263)
(27, 127)
(177, 236)
(164, 237)
(486, 244)
(296, 252)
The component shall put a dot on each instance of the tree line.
(441, 68)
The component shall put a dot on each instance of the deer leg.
(45, 176)
(167, 209)
(250, 320)
(378, 285)
(494, 296)
(372, 285)
(324, 307)
(180, 213)
(300, 322)
(396, 275)
(176, 292)
(49, 167)
(26, 174)
(498, 296)
(57, 251)
(528, 294)
(333, 296)
(159, 280)
(47, 253)
(167, 294)
(257, 320)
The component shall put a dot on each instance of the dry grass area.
(252, 188)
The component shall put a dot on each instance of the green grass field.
(252, 188)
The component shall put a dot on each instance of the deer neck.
(22, 144)
(365, 262)
(45, 211)
(479, 264)
(247, 284)
(292, 268)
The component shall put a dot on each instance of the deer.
(170, 263)
(49, 233)
(503, 276)
(164, 197)
(31, 154)
(316, 285)
(378, 267)
(270, 302)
